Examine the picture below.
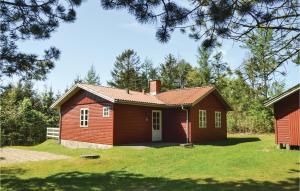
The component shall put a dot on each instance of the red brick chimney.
(154, 87)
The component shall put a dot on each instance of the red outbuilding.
(98, 116)
(287, 115)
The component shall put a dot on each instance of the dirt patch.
(8, 155)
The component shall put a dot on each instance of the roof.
(119, 95)
(283, 95)
(172, 98)
(184, 96)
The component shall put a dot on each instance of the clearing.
(243, 162)
(9, 155)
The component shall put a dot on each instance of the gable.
(285, 94)
(287, 105)
(82, 97)
(212, 101)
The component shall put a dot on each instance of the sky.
(98, 36)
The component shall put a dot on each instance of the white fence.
(53, 132)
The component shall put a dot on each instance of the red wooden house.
(98, 116)
(287, 115)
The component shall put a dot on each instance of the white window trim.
(108, 111)
(204, 116)
(218, 119)
(87, 121)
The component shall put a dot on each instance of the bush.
(25, 116)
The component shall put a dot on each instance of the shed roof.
(172, 98)
(283, 95)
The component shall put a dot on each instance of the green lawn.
(243, 162)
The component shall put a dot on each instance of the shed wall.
(287, 114)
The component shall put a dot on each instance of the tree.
(126, 72)
(258, 68)
(204, 66)
(219, 70)
(211, 69)
(27, 20)
(92, 77)
(183, 68)
(47, 98)
(169, 73)
(211, 20)
(78, 80)
(148, 72)
(25, 114)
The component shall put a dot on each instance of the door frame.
(160, 124)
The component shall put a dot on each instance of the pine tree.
(78, 80)
(208, 21)
(219, 71)
(204, 66)
(126, 72)
(24, 115)
(47, 98)
(27, 20)
(259, 67)
(148, 72)
(169, 73)
(183, 69)
(92, 77)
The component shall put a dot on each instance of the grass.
(243, 162)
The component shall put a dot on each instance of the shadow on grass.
(232, 141)
(125, 181)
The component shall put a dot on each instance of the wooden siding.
(99, 130)
(294, 127)
(174, 123)
(287, 114)
(132, 124)
(211, 104)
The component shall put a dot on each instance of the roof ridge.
(177, 89)
(198, 87)
(109, 87)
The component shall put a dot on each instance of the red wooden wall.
(287, 114)
(174, 125)
(211, 104)
(133, 124)
(99, 130)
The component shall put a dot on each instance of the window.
(84, 117)
(202, 118)
(217, 119)
(106, 111)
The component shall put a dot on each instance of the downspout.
(187, 123)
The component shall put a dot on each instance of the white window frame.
(84, 118)
(105, 111)
(218, 119)
(202, 119)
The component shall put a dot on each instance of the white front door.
(156, 125)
